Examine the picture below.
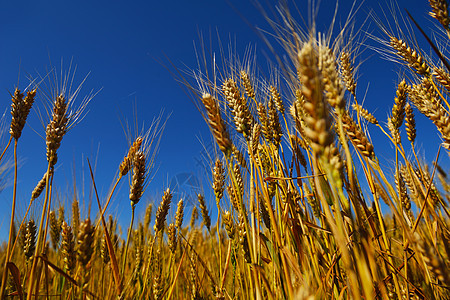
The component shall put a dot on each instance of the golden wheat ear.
(217, 124)
(162, 211)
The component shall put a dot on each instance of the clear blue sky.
(121, 45)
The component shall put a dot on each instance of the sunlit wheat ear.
(411, 57)
(357, 136)
(298, 114)
(318, 121)
(233, 198)
(172, 237)
(138, 180)
(401, 189)
(162, 211)
(239, 181)
(276, 97)
(217, 124)
(30, 239)
(439, 11)
(20, 109)
(85, 242)
(394, 132)
(443, 77)
(347, 72)
(41, 185)
(331, 80)
(410, 123)
(426, 99)
(398, 110)
(56, 129)
(249, 90)
(68, 247)
(127, 161)
(238, 104)
(365, 113)
(411, 183)
(179, 214)
(254, 140)
(229, 224)
(104, 254)
(193, 276)
(274, 123)
(194, 217)
(204, 210)
(55, 230)
(218, 184)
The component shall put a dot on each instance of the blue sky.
(121, 44)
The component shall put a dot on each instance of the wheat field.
(302, 207)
